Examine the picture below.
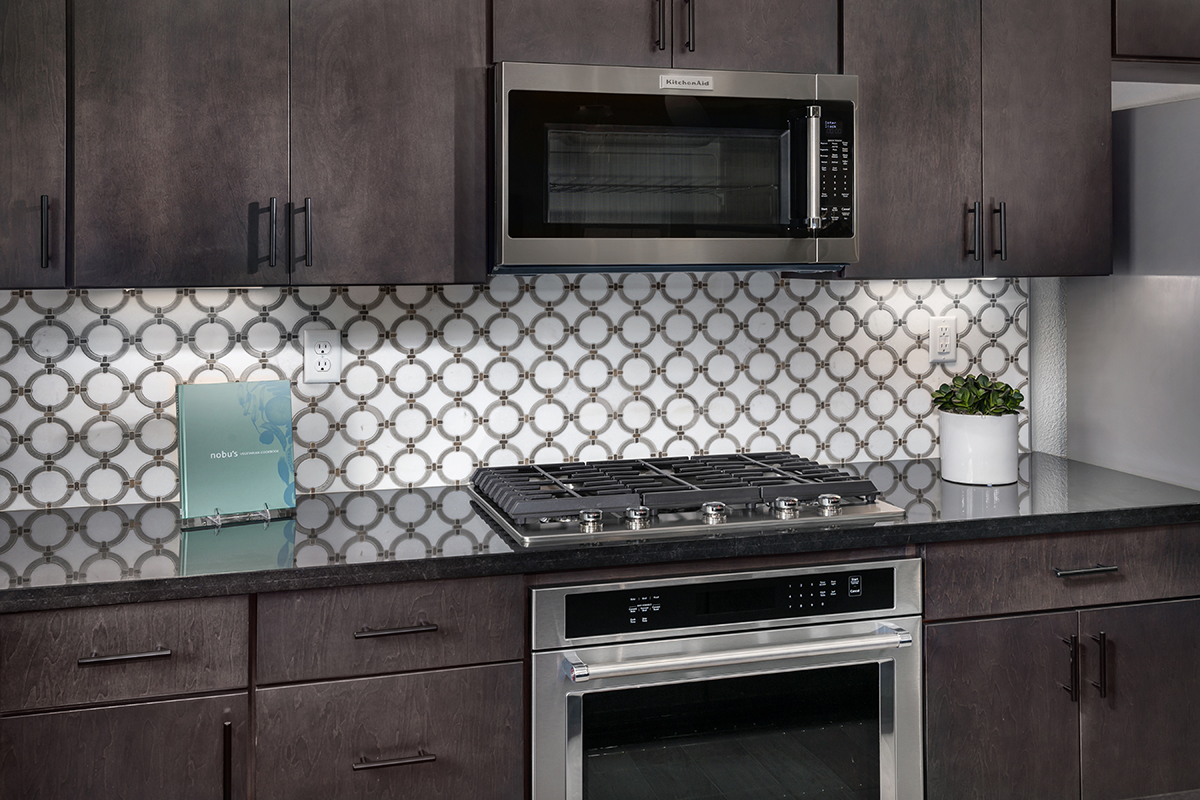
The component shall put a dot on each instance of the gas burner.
(673, 498)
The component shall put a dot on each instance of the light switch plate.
(943, 340)
(322, 355)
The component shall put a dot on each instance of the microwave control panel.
(837, 170)
(699, 605)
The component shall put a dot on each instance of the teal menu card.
(235, 448)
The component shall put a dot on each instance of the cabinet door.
(33, 90)
(631, 33)
(1141, 739)
(762, 35)
(455, 733)
(181, 141)
(178, 749)
(1047, 123)
(999, 724)
(919, 135)
(1157, 28)
(389, 141)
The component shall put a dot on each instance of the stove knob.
(637, 517)
(714, 512)
(785, 507)
(590, 520)
(829, 504)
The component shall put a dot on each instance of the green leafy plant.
(978, 395)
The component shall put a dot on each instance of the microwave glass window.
(605, 175)
(808, 733)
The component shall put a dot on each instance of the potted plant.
(978, 421)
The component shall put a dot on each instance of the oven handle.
(887, 636)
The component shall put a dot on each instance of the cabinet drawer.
(1157, 29)
(370, 630)
(91, 655)
(1006, 576)
(177, 749)
(453, 733)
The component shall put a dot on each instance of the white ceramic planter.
(978, 450)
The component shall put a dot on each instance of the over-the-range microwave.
(618, 169)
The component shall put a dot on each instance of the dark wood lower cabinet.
(998, 723)
(173, 749)
(453, 733)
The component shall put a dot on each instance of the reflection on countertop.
(57, 547)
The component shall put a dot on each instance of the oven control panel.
(702, 604)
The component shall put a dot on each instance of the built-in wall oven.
(801, 682)
(622, 168)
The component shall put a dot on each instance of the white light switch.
(322, 355)
(943, 340)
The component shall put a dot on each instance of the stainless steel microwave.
(618, 169)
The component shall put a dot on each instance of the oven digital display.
(722, 602)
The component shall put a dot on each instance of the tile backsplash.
(438, 380)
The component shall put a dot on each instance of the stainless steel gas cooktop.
(673, 498)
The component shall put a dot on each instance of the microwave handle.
(813, 220)
(887, 636)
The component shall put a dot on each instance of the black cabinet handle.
(227, 761)
(691, 30)
(420, 758)
(1099, 569)
(1002, 251)
(308, 231)
(1073, 689)
(271, 245)
(976, 232)
(661, 41)
(367, 633)
(1102, 640)
(94, 659)
(45, 238)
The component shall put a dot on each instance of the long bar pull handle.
(227, 761)
(976, 232)
(1073, 689)
(887, 637)
(308, 232)
(1002, 251)
(1102, 640)
(1099, 569)
(661, 41)
(691, 22)
(813, 221)
(45, 237)
(367, 633)
(271, 245)
(420, 758)
(94, 659)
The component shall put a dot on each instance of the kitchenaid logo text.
(702, 83)
(236, 454)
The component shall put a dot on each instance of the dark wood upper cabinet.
(181, 141)
(389, 142)
(920, 140)
(764, 35)
(33, 90)
(998, 724)
(966, 101)
(1157, 29)
(1140, 739)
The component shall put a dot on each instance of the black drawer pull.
(308, 232)
(1002, 250)
(1073, 689)
(661, 41)
(1099, 569)
(367, 633)
(271, 259)
(45, 237)
(227, 760)
(691, 25)
(1102, 657)
(95, 659)
(420, 758)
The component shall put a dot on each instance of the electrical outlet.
(322, 355)
(943, 340)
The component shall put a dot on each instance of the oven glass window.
(807, 734)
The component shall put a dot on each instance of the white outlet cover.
(322, 355)
(943, 340)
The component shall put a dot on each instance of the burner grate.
(680, 483)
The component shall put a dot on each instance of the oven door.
(816, 711)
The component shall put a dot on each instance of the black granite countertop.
(60, 558)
